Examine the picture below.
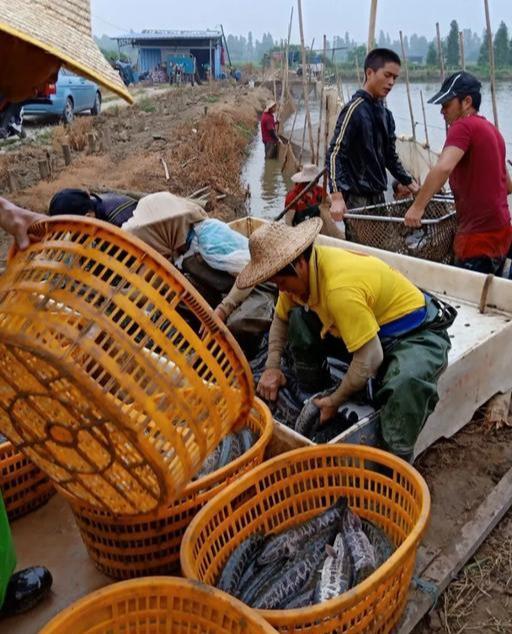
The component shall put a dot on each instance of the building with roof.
(160, 48)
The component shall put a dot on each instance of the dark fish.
(285, 545)
(259, 581)
(359, 547)
(335, 577)
(294, 575)
(247, 438)
(382, 545)
(303, 599)
(210, 463)
(229, 450)
(238, 561)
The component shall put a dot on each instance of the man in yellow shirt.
(334, 302)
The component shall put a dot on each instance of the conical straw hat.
(275, 245)
(63, 29)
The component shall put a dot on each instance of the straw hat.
(63, 29)
(309, 173)
(275, 245)
(270, 104)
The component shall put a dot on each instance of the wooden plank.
(449, 563)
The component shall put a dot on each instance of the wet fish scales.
(286, 544)
(210, 463)
(359, 546)
(247, 438)
(301, 600)
(259, 581)
(382, 545)
(237, 563)
(336, 575)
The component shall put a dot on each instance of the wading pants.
(406, 391)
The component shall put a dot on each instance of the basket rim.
(347, 599)
(125, 588)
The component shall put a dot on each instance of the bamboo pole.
(287, 53)
(461, 50)
(290, 138)
(357, 70)
(326, 144)
(440, 51)
(427, 140)
(305, 82)
(371, 28)
(320, 116)
(491, 63)
(408, 86)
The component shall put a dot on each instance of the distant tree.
(432, 56)
(510, 53)
(501, 46)
(452, 45)
(250, 48)
(483, 57)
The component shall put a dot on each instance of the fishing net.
(382, 226)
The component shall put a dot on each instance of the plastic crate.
(125, 547)
(298, 485)
(103, 382)
(158, 605)
(382, 226)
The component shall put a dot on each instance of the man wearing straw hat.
(334, 302)
(269, 134)
(307, 206)
(36, 38)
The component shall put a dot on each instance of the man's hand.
(327, 408)
(413, 216)
(219, 311)
(270, 382)
(413, 187)
(16, 221)
(338, 207)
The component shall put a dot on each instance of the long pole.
(226, 44)
(461, 51)
(427, 140)
(305, 83)
(326, 143)
(321, 101)
(408, 86)
(371, 28)
(357, 69)
(286, 64)
(491, 63)
(440, 51)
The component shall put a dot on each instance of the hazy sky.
(332, 17)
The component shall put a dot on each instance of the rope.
(428, 587)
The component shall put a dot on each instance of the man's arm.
(364, 365)
(509, 180)
(434, 181)
(16, 221)
(393, 162)
(337, 157)
(273, 377)
(232, 300)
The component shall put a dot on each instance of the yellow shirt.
(353, 295)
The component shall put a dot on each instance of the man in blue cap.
(474, 160)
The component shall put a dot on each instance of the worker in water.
(36, 38)
(363, 144)
(338, 303)
(308, 203)
(269, 128)
(474, 161)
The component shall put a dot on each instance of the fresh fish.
(336, 574)
(229, 450)
(294, 575)
(238, 562)
(359, 547)
(255, 585)
(382, 545)
(210, 463)
(309, 416)
(246, 438)
(285, 545)
(303, 599)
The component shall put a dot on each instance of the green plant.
(146, 105)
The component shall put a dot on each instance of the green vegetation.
(146, 104)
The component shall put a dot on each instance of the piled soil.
(199, 135)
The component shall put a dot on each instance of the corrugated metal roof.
(168, 35)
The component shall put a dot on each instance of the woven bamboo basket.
(382, 226)
(158, 605)
(296, 486)
(24, 486)
(132, 546)
(104, 384)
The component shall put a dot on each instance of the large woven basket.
(158, 605)
(382, 226)
(292, 488)
(24, 486)
(104, 383)
(125, 547)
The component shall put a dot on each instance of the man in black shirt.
(111, 207)
(363, 144)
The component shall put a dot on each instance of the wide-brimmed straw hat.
(62, 28)
(275, 245)
(270, 104)
(308, 173)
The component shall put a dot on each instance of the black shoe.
(26, 588)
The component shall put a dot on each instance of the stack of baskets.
(24, 486)
(117, 381)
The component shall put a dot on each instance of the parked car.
(71, 94)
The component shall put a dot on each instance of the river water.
(269, 186)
